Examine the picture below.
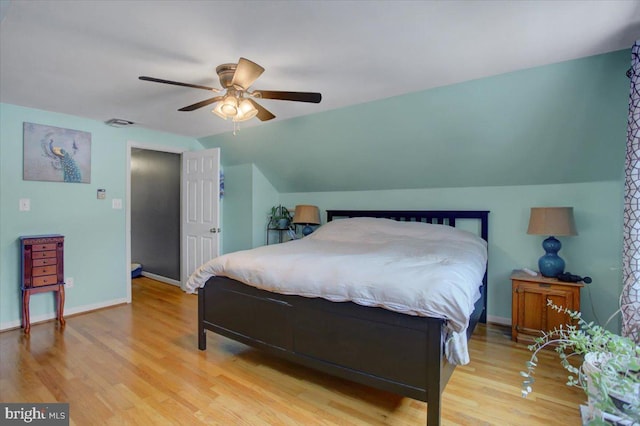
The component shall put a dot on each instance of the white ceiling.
(84, 57)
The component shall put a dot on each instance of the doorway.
(153, 212)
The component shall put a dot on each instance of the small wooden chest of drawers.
(42, 260)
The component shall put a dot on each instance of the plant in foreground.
(610, 369)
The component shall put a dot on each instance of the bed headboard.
(442, 217)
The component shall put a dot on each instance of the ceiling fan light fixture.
(229, 106)
(246, 111)
(218, 111)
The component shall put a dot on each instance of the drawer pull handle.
(544, 285)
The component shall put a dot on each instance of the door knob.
(214, 230)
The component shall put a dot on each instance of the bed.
(402, 353)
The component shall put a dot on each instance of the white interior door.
(200, 209)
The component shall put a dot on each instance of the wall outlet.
(68, 282)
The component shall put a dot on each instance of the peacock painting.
(56, 154)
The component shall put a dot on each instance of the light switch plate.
(25, 204)
(116, 203)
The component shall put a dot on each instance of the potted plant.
(280, 217)
(609, 373)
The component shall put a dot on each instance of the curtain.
(630, 298)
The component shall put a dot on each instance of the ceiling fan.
(238, 102)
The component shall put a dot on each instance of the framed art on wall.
(55, 154)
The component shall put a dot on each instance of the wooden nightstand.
(530, 314)
(42, 270)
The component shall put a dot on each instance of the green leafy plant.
(280, 217)
(613, 386)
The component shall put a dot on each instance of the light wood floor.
(139, 364)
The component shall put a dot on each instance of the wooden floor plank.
(139, 364)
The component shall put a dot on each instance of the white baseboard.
(161, 278)
(86, 308)
(67, 312)
(499, 320)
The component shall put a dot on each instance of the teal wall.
(95, 240)
(236, 209)
(546, 136)
(596, 251)
(264, 197)
(247, 202)
(561, 123)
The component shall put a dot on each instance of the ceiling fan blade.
(263, 113)
(177, 83)
(289, 96)
(246, 73)
(201, 104)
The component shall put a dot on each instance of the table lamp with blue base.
(551, 221)
(306, 215)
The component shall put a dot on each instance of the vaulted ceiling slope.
(560, 123)
(84, 57)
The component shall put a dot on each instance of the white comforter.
(408, 267)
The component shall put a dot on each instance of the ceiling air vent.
(118, 122)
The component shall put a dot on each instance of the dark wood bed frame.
(399, 353)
